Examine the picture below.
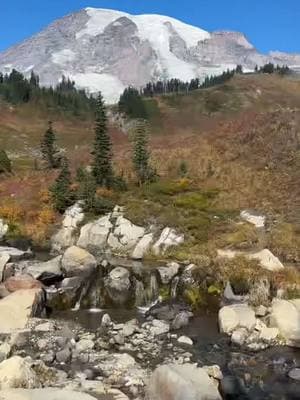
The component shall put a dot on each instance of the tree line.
(15, 88)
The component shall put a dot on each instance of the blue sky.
(268, 24)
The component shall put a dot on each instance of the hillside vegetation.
(217, 151)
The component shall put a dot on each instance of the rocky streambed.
(87, 324)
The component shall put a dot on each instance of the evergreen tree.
(5, 163)
(61, 189)
(141, 154)
(102, 151)
(48, 148)
(87, 188)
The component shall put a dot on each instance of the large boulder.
(285, 316)
(20, 282)
(3, 229)
(267, 260)
(46, 271)
(18, 307)
(66, 237)
(78, 262)
(16, 372)
(4, 258)
(118, 285)
(181, 382)
(142, 247)
(125, 235)
(168, 272)
(93, 236)
(168, 238)
(14, 253)
(73, 216)
(46, 394)
(236, 316)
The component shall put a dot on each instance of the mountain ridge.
(108, 50)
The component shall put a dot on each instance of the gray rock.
(15, 254)
(5, 351)
(214, 371)
(295, 374)
(125, 235)
(48, 326)
(85, 345)
(285, 316)
(168, 238)
(239, 336)
(49, 270)
(181, 382)
(181, 320)
(66, 237)
(45, 394)
(185, 340)
(49, 357)
(4, 258)
(261, 311)
(236, 316)
(142, 247)
(106, 321)
(78, 262)
(93, 236)
(16, 372)
(167, 273)
(18, 307)
(3, 229)
(64, 356)
(159, 327)
(118, 285)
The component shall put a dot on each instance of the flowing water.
(260, 376)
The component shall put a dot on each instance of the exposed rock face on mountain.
(108, 50)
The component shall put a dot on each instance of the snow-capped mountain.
(108, 50)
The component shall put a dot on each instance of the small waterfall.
(78, 302)
(174, 287)
(153, 288)
(140, 295)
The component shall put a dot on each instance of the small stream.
(260, 376)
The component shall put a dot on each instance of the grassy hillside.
(240, 143)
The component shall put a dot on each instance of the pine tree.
(48, 148)
(102, 151)
(5, 163)
(61, 189)
(87, 188)
(141, 154)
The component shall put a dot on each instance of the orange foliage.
(11, 212)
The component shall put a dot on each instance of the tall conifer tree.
(49, 149)
(141, 154)
(102, 151)
(61, 189)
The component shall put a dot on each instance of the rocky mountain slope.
(108, 50)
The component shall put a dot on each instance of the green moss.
(192, 201)
(214, 289)
(164, 292)
(195, 297)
